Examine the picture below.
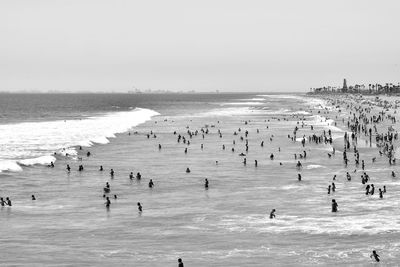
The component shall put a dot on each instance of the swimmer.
(393, 174)
(108, 202)
(367, 189)
(139, 207)
(68, 168)
(180, 263)
(8, 201)
(151, 184)
(187, 170)
(101, 168)
(112, 173)
(272, 214)
(334, 206)
(138, 176)
(375, 255)
(372, 189)
(33, 197)
(115, 197)
(131, 176)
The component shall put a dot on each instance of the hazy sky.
(202, 45)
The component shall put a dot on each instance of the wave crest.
(32, 143)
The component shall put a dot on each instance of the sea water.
(226, 225)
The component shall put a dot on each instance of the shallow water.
(226, 225)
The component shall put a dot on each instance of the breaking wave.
(34, 143)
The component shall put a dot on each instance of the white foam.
(322, 121)
(301, 112)
(368, 224)
(43, 160)
(253, 99)
(27, 143)
(67, 152)
(252, 103)
(288, 96)
(9, 165)
(314, 166)
(231, 112)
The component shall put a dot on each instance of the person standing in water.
(151, 184)
(206, 183)
(334, 206)
(140, 208)
(108, 202)
(272, 214)
(180, 263)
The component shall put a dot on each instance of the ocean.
(227, 224)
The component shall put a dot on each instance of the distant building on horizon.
(344, 89)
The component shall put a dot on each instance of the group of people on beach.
(362, 123)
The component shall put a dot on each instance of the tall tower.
(344, 85)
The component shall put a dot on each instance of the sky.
(204, 45)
